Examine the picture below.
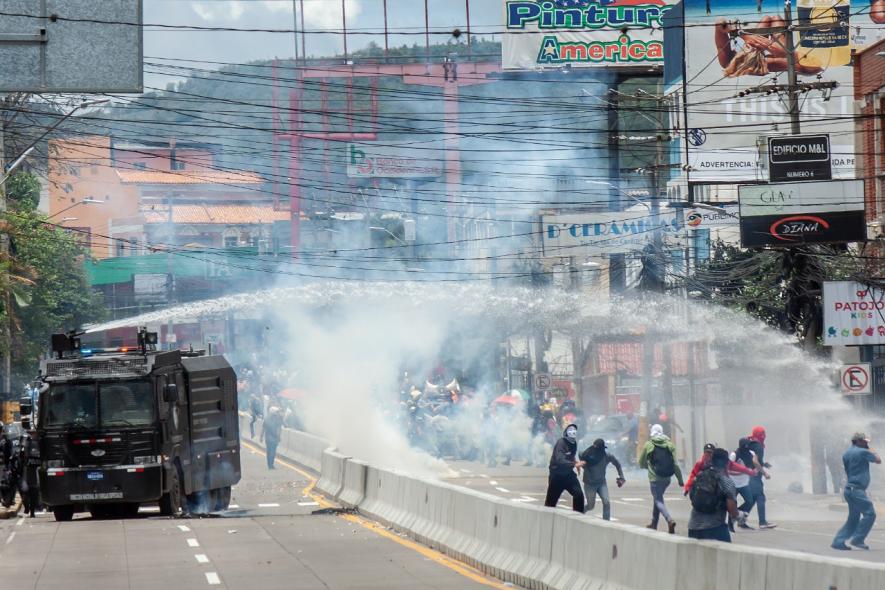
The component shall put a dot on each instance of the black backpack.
(706, 493)
(661, 460)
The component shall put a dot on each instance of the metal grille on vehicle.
(134, 366)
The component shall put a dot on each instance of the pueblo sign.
(792, 214)
(793, 158)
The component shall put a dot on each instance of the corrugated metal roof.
(215, 214)
(187, 177)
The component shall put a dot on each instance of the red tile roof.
(187, 177)
(215, 214)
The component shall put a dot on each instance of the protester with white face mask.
(563, 463)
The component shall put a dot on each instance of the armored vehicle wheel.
(220, 499)
(170, 502)
(63, 513)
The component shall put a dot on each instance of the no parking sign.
(856, 379)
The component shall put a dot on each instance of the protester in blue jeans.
(659, 458)
(861, 512)
(596, 460)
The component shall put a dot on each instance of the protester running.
(861, 512)
(659, 458)
(756, 444)
(563, 462)
(596, 460)
(713, 496)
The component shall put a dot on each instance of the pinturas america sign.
(583, 33)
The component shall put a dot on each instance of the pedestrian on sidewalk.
(861, 512)
(756, 444)
(563, 462)
(659, 458)
(596, 460)
(713, 496)
(270, 434)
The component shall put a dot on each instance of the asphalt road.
(806, 523)
(269, 539)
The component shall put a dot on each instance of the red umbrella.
(293, 394)
(507, 400)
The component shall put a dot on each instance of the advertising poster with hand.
(734, 47)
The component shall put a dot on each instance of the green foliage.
(23, 191)
(44, 284)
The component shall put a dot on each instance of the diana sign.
(802, 213)
(604, 233)
(854, 314)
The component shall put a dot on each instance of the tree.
(23, 191)
(45, 289)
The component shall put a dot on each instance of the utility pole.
(792, 78)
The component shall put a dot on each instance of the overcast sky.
(363, 16)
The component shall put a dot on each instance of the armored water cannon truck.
(120, 428)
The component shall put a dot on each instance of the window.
(139, 165)
(230, 241)
(177, 164)
(71, 405)
(120, 248)
(127, 403)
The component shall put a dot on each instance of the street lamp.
(87, 200)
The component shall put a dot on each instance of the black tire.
(63, 513)
(199, 502)
(171, 502)
(221, 499)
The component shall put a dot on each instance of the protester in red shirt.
(733, 468)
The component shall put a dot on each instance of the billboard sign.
(583, 33)
(792, 158)
(726, 60)
(791, 214)
(697, 218)
(78, 46)
(854, 314)
(366, 160)
(613, 232)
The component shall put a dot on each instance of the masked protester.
(563, 463)
(713, 496)
(756, 444)
(861, 511)
(659, 458)
(596, 460)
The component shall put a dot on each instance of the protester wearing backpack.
(713, 496)
(659, 458)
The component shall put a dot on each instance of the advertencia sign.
(392, 161)
(854, 314)
(583, 33)
(791, 214)
(591, 234)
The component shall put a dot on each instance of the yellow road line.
(435, 556)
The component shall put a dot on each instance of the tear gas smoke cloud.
(347, 342)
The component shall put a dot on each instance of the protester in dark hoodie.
(757, 445)
(563, 463)
(596, 460)
(659, 458)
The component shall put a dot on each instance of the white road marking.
(10, 537)
(183, 528)
(193, 543)
(503, 490)
(522, 499)
(20, 521)
(233, 506)
(201, 558)
(483, 475)
(633, 499)
(308, 503)
(493, 482)
(528, 499)
(465, 471)
(271, 505)
(213, 579)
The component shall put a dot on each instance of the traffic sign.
(543, 381)
(855, 379)
(793, 158)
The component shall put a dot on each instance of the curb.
(7, 513)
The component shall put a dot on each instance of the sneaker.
(671, 527)
(842, 547)
(745, 526)
(653, 527)
(767, 525)
(860, 545)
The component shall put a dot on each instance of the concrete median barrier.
(354, 490)
(331, 480)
